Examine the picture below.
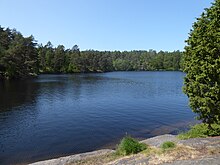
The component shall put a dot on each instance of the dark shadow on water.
(16, 93)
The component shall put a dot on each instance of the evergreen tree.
(20, 56)
(59, 59)
(202, 65)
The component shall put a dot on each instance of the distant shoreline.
(2, 78)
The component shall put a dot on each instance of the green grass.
(129, 145)
(200, 131)
(168, 145)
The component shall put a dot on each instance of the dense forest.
(22, 57)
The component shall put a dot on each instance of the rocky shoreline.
(192, 151)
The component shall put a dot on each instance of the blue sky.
(105, 24)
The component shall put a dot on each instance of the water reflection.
(17, 93)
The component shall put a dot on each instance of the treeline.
(22, 57)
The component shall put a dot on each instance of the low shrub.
(168, 145)
(201, 131)
(128, 146)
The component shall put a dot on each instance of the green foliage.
(120, 65)
(18, 55)
(168, 145)
(201, 131)
(76, 61)
(129, 146)
(202, 65)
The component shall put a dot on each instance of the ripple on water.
(56, 115)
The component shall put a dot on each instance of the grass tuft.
(168, 145)
(129, 145)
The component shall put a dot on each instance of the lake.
(57, 115)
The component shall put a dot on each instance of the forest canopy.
(22, 57)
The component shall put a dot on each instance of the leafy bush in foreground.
(129, 146)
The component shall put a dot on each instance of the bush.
(129, 146)
(201, 131)
(167, 145)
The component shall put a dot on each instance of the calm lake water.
(56, 115)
